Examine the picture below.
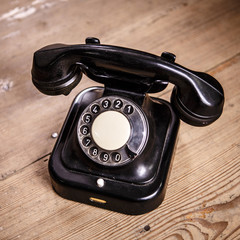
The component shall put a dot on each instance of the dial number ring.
(138, 131)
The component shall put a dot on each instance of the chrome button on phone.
(112, 131)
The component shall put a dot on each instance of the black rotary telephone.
(116, 145)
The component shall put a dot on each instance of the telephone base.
(134, 188)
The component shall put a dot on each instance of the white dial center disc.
(111, 130)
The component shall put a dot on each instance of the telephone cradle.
(116, 145)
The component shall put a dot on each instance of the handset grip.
(197, 97)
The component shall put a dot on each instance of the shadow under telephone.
(116, 145)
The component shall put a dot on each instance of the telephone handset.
(115, 148)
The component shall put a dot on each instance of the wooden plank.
(202, 200)
(174, 26)
(20, 98)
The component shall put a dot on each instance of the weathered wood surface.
(203, 195)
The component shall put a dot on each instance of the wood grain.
(22, 99)
(203, 195)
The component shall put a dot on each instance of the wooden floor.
(203, 194)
